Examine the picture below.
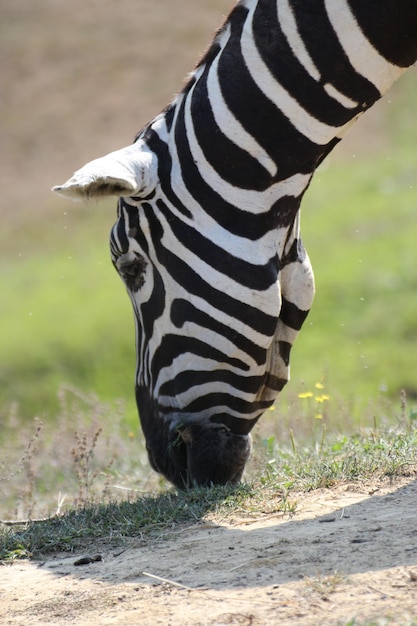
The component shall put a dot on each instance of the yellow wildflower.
(305, 394)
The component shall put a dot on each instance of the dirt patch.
(348, 552)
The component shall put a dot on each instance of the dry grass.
(85, 454)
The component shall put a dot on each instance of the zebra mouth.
(201, 454)
(193, 452)
(213, 455)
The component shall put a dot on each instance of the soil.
(348, 553)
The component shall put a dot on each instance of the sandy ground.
(347, 553)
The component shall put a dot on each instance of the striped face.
(220, 285)
(207, 238)
(209, 357)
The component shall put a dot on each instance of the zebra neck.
(276, 91)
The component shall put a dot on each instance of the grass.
(151, 515)
(355, 458)
(47, 466)
(358, 225)
(53, 330)
(108, 499)
(364, 302)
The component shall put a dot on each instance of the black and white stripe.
(207, 239)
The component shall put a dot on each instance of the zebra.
(207, 237)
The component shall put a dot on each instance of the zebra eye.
(133, 272)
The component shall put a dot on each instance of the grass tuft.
(332, 460)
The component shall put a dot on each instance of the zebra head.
(185, 357)
(217, 304)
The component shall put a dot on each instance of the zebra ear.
(131, 171)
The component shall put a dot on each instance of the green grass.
(67, 318)
(359, 334)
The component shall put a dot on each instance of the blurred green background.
(78, 80)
